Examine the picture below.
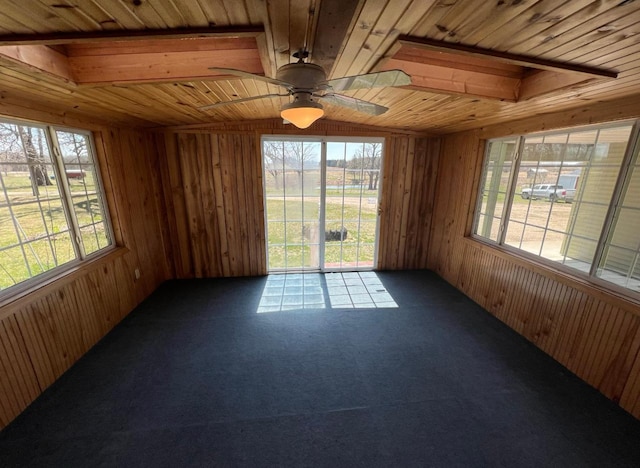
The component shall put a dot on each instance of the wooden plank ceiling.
(145, 62)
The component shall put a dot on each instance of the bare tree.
(368, 159)
(35, 158)
(273, 159)
(73, 147)
(20, 139)
(299, 156)
(11, 150)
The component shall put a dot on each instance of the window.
(551, 195)
(52, 211)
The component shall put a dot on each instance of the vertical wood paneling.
(592, 333)
(18, 384)
(221, 192)
(44, 333)
(408, 187)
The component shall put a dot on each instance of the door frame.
(323, 140)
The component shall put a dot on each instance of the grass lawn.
(39, 222)
(285, 224)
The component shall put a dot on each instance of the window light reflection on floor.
(353, 290)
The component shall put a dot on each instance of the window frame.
(632, 152)
(65, 193)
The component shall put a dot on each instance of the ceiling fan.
(307, 83)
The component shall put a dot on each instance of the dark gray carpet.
(195, 377)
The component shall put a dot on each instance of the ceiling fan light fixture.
(302, 112)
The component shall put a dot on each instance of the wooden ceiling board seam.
(590, 40)
(524, 28)
(47, 82)
(147, 14)
(613, 50)
(372, 50)
(609, 45)
(34, 106)
(608, 50)
(437, 11)
(214, 12)
(184, 93)
(402, 107)
(27, 18)
(278, 16)
(237, 11)
(118, 101)
(573, 27)
(58, 18)
(167, 99)
(192, 13)
(362, 27)
(314, 17)
(347, 37)
(299, 25)
(98, 15)
(414, 13)
(259, 15)
(170, 14)
(121, 13)
(497, 22)
(462, 14)
(252, 107)
(72, 17)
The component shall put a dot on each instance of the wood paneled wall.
(43, 333)
(592, 332)
(408, 188)
(215, 204)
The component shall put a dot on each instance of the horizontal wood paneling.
(44, 332)
(592, 332)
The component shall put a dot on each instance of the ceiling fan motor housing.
(303, 76)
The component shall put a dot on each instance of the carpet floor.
(400, 370)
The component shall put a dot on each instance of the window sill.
(600, 289)
(44, 287)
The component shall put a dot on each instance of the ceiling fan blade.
(236, 101)
(355, 104)
(371, 80)
(243, 74)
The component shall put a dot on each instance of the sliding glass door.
(321, 203)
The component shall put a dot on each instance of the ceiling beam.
(128, 35)
(442, 79)
(504, 57)
(39, 59)
(456, 69)
(141, 61)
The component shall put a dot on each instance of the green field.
(301, 245)
(39, 222)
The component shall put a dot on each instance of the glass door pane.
(351, 204)
(321, 203)
(292, 192)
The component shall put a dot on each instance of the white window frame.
(57, 163)
(632, 149)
